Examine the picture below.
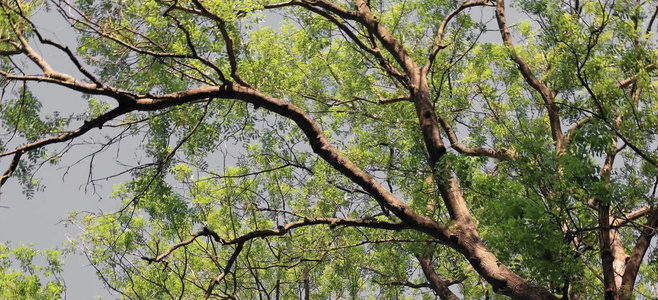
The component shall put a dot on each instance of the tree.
(25, 283)
(362, 148)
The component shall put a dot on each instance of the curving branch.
(62, 48)
(67, 136)
(12, 167)
(332, 222)
(536, 84)
(503, 154)
(438, 43)
(33, 56)
(279, 231)
(162, 257)
(577, 126)
(227, 269)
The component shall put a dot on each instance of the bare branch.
(161, 257)
(34, 57)
(88, 125)
(64, 49)
(281, 230)
(332, 222)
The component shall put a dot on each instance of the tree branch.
(227, 269)
(635, 260)
(438, 43)
(439, 286)
(281, 230)
(536, 84)
(452, 137)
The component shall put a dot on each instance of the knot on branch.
(209, 232)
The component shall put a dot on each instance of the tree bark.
(438, 286)
(635, 260)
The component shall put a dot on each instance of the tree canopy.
(389, 149)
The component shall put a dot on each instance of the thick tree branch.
(635, 260)
(12, 167)
(607, 256)
(626, 82)
(632, 216)
(440, 287)
(462, 234)
(383, 100)
(613, 256)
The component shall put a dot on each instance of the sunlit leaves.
(30, 280)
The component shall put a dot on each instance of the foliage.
(357, 149)
(26, 282)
